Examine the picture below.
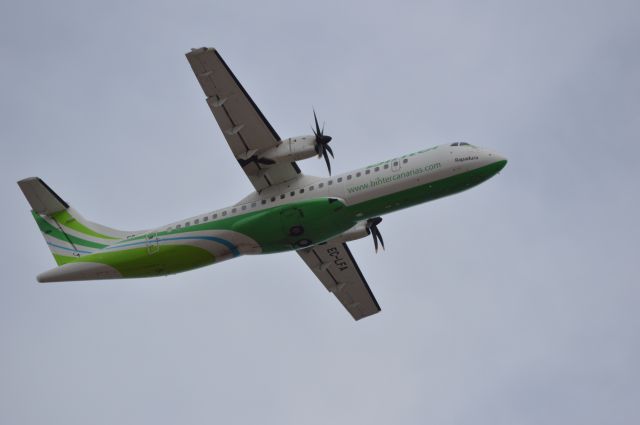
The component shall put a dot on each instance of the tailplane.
(68, 235)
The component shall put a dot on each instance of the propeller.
(372, 227)
(322, 142)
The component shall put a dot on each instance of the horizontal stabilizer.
(41, 197)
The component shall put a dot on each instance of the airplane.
(287, 211)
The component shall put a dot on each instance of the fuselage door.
(396, 165)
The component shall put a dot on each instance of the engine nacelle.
(291, 149)
(359, 231)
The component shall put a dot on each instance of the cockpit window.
(462, 144)
(455, 144)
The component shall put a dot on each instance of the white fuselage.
(361, 185)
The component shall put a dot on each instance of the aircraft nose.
(499, 160)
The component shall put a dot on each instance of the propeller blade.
(380, 237)
(375, 240)
(328, 148)
(375, 221)
(326, 157)
(375, 233)
(322, 142)
(318, 131)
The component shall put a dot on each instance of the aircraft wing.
(336, 268)
(247, 131)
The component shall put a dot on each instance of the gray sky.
(513, 303)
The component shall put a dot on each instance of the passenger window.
(205, 218)
(187, 224)
(253, 205)
(386, 166)
(367, 171)
(215, 216)
(233, 210)
(224, 213)
(339, 179)
(292, 194)
(301, 190)
(273, 199)
(358, 174)
(196, 221)
(244, 207)
(264, 201)
(178, 226)
(395, 163)
(330, 182)
(282, 196)
(310, 188)
(321, 185)
(376, 169)
(404, 161)
(349, 177)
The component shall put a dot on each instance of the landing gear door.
(152, 243)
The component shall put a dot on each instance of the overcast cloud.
(513, 303)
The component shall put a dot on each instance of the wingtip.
(199, 50)
(27, 180)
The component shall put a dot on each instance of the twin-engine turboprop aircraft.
(288, 211)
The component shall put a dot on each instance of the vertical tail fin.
(67, 234)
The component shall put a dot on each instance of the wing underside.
(338, 271)
(243, 125)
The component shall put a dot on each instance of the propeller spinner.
(322, 142)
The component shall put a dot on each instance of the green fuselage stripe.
(48, 229)
(67, 220)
